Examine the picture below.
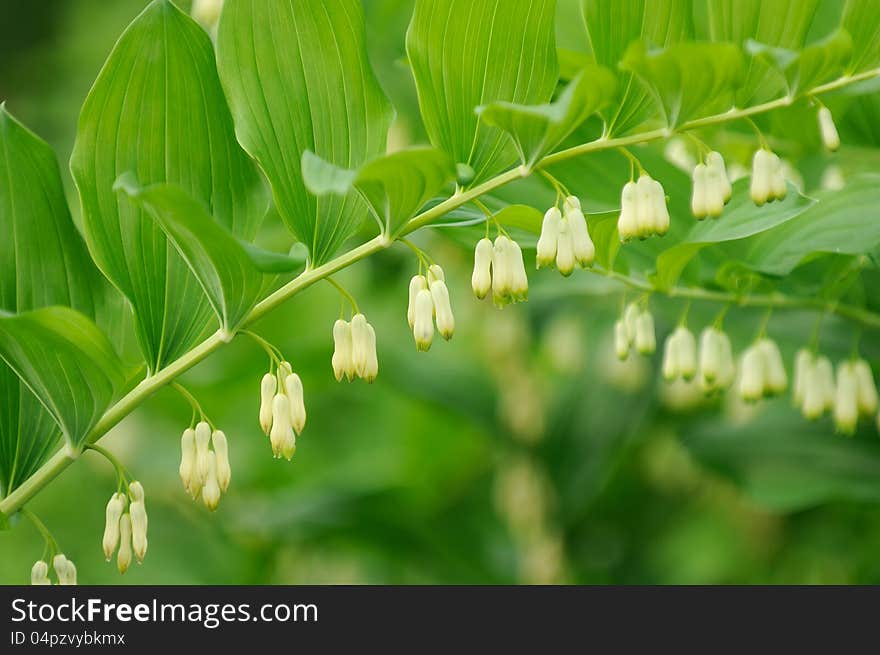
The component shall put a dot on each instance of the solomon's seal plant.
(186, 139)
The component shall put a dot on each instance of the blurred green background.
(520, 452)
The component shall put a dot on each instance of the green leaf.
(538, 129)
(741, 219)
(861, 18)
(394, 186)
(298, 79)
(157, 109)
(842, 222)
(224, 268)
(522, 217)
(68, 364)
(612, 26)
(43, 261)
(469, 53)
(688, 80)
(807, 68)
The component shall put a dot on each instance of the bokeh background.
(521, 451)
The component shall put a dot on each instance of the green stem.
(122, 474)
(42, 529)
(345, 294)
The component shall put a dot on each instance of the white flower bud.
(621, 340)
(481, 279)
(294, 389)
(123, 557)
(519, 281)
(715, 162)
(714, 193)
(284, 369)
(846, 402)
(778, 187)
(628, 224)
(549, 239)
(645, 339)
(814, 390)
(211, 490)
(288, 448)
(584, 250)
(341, 361)
(136, 490)
(207, 12)
(751, 382)
(645, 216)
(371, 372)
(360, 343)
(111, 525)
(660, 212)
(630, 319)
(828, 130)
(280, 423)
(442, 309)
(825, 372)
(762, 173)
(267, 391)
(867, 394)
(687, 353)
(188, 457)
(803, 363)
(64, 569)
(502, 271)
(423, 329)
(221, 455)
(40, 573)
(710, 358)
(416, 284)
(203, 441)
(670, 357)
(435, 272)
(138, 512)
(775, 377)
(565, 249)
(727, 372)
(698, 198)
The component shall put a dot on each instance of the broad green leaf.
(394, 186)
(688, 80)
(469, 53)
(43, 261)
(298, 79)
(776, 23)
(157, 109)
(842, 222)
(612, 26)
(537, 129)
(224, 268)
(741, 219)
(861, 18)
(603, 231)
(67, 362)
(807, 68)
(522, 217)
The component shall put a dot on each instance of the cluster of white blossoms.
(814, 390)
(283, 409)
(499, 268)
(126, 530)
(768, 177)
(712, 189)
(65, 571)
(354, 352)
(680, 355)
(828, 130)
(429, 302)
(204, 464)
(856, 395)
(636, 328)
(565, 238)
(716, 367)
(643, 210)
(762, 372)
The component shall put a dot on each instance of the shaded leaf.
(861, 18)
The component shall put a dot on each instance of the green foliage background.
(516, 453)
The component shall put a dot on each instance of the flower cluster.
(768, 177)
(282, 407)
(680, 355)
(565, 238)
(499, 267)
(636, 328)
(204, 464)
(65, 571)
(354, 353)
(429, 302)
(643, 210)
(762, 372)
(712, 189)
(716, 369)
(856, 395)
(126, 530)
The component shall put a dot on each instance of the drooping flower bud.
(660, 212)
(203, 441)
(136, 490)
(846, 402)
(751, 383)
(584, 249)
(416, 284)
(645, 339)
(423, 329)
(630, 319)
(762, 173)
(294, 389)
(867, 394)
(341, 361)
(211, 490)
(727, 372)
(40, 573)
(680, 355)
(621, 340)
(825, 373)
(775, 377)
(628, 224)
(549, 239)
(778, 187)
(815, 391)
(565, 249)
(519, 281)
(221, 453)
(280, 423)
(803, 363)
(64, 569)
(138, 511)
(435, 272)
(123, 557)
(715, 163)
(288, 448)
(372, 370)
(360, 343)
(715, 188)
(111, 525)
(670, 366)
(267, 390)
(828, 130)
(481, 279)
(710, 358)
(698, 197)
(443, 309)
(188, 457)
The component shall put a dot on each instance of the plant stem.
(65, 456)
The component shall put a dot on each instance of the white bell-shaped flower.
(481, 279)
(294, 389)
(267, 391)
(778, 187)
(281, 427)
(113, 513)
(752, 376)
(762, 174)
(645, 338)
(699, 196)
(549, 239)
(416, 284)
(343, 364)
(64, 569)
(423, 328)
(565, 249)
(360, 343)
(139, 521)
(40, 573)
(203, 442)
(867, 394)
(211, 489)
(803, 364)
(442, 309)
(775, 377)
(187, 468)
(846, 401)
(715, 164)
(221, 455)
(628, 222)
(828, 129)
(123, 557)
(519, 280)
(582, 245)
(622, 340)
(371, 371)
